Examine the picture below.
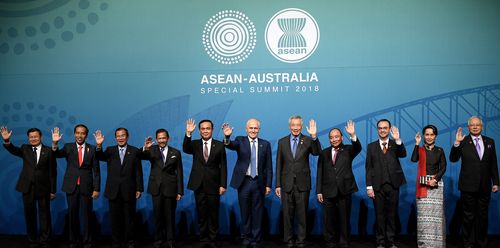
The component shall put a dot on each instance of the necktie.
(122, 154)
(294, 147)
(80, 156)
(162, 150)
(335, 152)
(384, 144)
(35, 156)
(253, 160)
(80, 160)
(478, 148)
(205, 151)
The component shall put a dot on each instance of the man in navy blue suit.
(252, 177)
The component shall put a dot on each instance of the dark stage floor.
(8, 241)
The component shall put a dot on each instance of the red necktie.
(80, 160)
(385, 147)
(334, 159)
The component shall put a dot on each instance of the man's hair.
(474, 117)
(381, 120)
(34, 129)
(205, 120)
(294, 117)
(162, 130)
(338, 129)
(81, 125)
(121, 129)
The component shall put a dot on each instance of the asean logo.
(229, 37)
(292, 35)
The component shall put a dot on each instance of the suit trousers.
(30, 201)
(337, 216)
(77, 201)
(207, 206)
(164, 213)
(386, 204)
(475, 218)
(122, 216)
(295, 203)
(251, 201)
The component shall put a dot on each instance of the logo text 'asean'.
(292, 35)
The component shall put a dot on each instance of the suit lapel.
(472, 146)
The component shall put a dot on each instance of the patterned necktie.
(122, 154)
(253, 160)
(384, 144)
(205, 151)
(478, 148)
(335, 152)
(162, 150)
(294, 147)
(35, 156)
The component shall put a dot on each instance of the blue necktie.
(122, 154)
(253, 160)
(294, 147)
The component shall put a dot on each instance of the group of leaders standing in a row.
(252, 177)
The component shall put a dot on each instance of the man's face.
(335, 138)
(429, 137)
(34, 138)
(295, 126)
(80, 135)
(121, 137)
(475, 126)
(253, 129)
(383, 130)
(206, 130)
(162, 139)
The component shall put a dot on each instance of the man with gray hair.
(252, 177)
(478, 178)
(293, 177)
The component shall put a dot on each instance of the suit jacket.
(475, 174)
(165, 178)
(125, 178)
(288, 167)
(377, 161)
(241, 145)
(43, 174)
(89, 172)
(211, 174)
(332, 179)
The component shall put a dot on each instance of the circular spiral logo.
(229, 37)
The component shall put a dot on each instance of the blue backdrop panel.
(149, 65)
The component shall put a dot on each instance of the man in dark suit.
(37, 183)
(124, 184)
(252, 177)
(82, 182)
(335, 184)
(478, 178)
(166, 185)
(384, 176)
(293, 177)
(208, 178)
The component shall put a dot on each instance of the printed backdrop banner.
(153, 64)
